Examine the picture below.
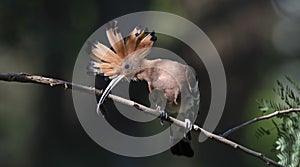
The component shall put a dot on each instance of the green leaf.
(288, 132)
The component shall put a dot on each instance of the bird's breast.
(164, 75)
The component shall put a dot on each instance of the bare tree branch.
(268, 116)
(22, 77)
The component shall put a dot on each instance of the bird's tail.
(190, 98)
(183, 147)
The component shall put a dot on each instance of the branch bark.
(268, 116)
(28, 78)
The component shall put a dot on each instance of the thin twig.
(91, 90)
(268, 116)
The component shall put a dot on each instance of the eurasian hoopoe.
(173, 82)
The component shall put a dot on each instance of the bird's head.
(125, 56)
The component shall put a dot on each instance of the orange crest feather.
(108, 61)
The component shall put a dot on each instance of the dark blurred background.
(258, 42)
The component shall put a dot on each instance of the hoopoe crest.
(125, 57)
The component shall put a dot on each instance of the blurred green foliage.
(288, 126)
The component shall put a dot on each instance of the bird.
(173, 86)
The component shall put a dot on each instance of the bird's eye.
(127, 66)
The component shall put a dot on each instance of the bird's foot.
(188, 126)
(163, 115)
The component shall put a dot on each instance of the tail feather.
(183, 147)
